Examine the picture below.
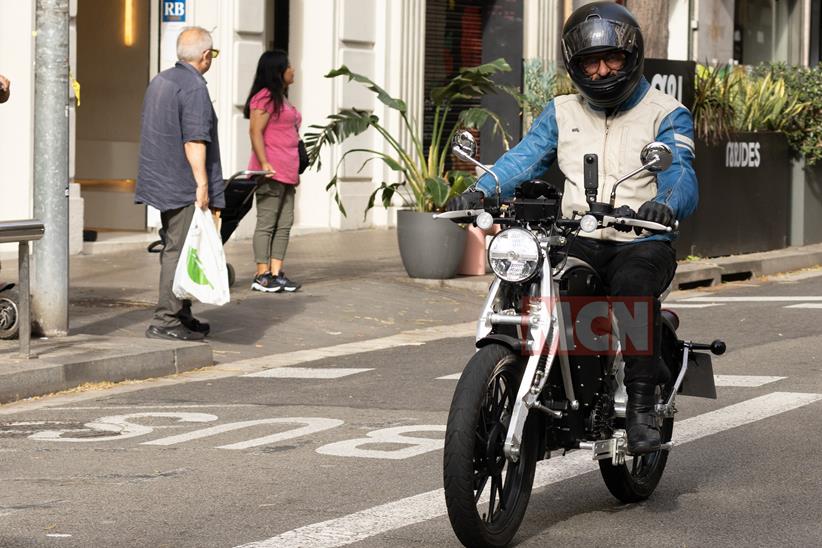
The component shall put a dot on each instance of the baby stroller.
(239, 190)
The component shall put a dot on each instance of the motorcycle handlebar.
(607, 220)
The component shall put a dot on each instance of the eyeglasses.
(214, 53)
(614, 60)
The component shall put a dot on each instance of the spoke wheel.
(9, 319)
(636, 480)
(487, 494)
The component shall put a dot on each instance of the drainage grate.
(736, 276)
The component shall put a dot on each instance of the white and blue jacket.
(569, 128)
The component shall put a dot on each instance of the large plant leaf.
(438, 189)
(386, 191)
(340, 126)
(382, 95)
(470, 83)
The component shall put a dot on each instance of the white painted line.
(748, 381)
(176, 406)
(307, 373)
(416, 337)
(805, 305)
(784, 299)
(454, 377)
(418, 508)
(58, 535)
(689, 305)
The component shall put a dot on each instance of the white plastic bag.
(201, 272)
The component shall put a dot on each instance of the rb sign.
(174, 11)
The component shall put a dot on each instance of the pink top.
(281, 137)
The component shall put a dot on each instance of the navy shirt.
(177, 109)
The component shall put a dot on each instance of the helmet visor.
(597, 34)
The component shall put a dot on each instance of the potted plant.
(429, 248)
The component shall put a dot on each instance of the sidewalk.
(354, 289)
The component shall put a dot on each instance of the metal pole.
(24, 311)
(51, 177)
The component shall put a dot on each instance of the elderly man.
(179, 169)
(5, 89)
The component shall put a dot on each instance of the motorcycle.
(525, 393)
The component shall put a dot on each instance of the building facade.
(117, 46)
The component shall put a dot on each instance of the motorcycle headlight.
(514, 255)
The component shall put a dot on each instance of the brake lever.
(458, 214)
(628, 221)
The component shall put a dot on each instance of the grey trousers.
(275, 215)
(169, 308)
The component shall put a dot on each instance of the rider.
(614, 115)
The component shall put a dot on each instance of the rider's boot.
(640, 418)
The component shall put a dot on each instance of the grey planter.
(430, 248)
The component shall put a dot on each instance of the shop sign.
(676, 78)
(742, 154)
(174, 11)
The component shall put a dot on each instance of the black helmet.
(601, 27)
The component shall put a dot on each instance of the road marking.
(415, 337)
(748, 381)
(142, 406)
(805, 305)
(307, 373)
(784, 299)
(312, 426)
(425, 506)
(454, 377)
(690, 305)
(388, 436)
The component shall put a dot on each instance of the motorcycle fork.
(545, 325)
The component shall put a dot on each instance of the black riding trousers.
(636, 269)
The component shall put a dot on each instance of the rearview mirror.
(658, 155)
(464, 145)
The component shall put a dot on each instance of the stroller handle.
(247, 173)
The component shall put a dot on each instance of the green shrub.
(541, 82)
(805, 86)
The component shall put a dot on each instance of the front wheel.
(9, 318)
(487, 494)
(636, 479)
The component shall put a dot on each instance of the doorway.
(113, 56)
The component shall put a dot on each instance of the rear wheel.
(9, 318)
(487, 494)
(636, 480)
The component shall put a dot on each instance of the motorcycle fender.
(513, 343)
(699, 378)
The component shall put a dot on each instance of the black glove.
(623, 211)
(656, 213)
(470, 199)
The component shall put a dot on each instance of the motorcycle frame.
(548, 324)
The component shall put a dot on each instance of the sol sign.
(742, 154)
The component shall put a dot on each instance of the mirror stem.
(463, 156)
(652, 163)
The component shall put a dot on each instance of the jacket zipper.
(604, 156)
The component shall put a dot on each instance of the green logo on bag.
(195, 269)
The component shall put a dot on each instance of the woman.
(274, 131)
